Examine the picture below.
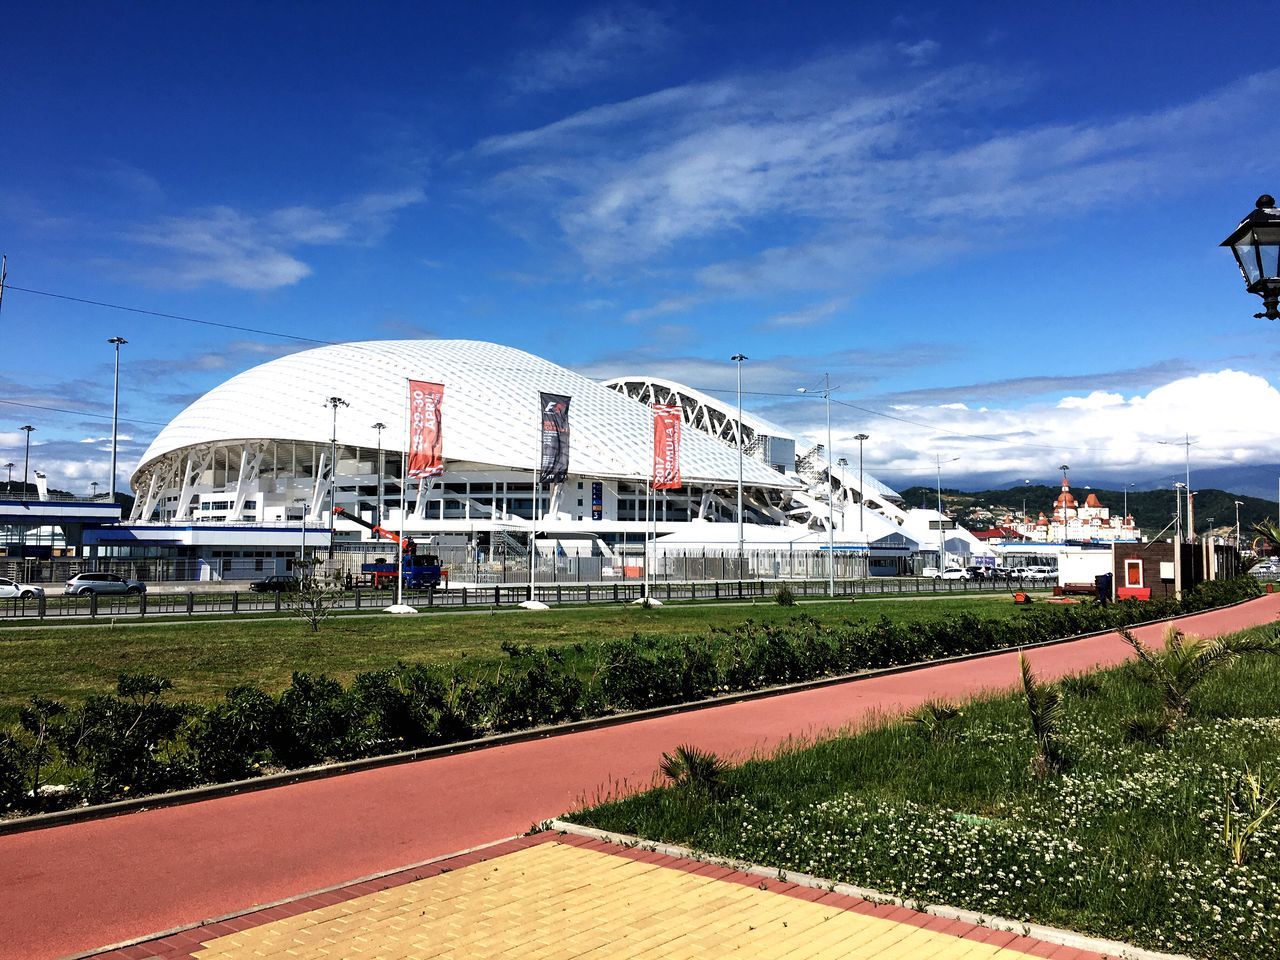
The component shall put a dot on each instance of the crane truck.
(421, 570)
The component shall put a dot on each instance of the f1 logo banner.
(553, 465)
(425, 457)
(666, 447)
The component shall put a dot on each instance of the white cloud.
(808, 316)
(1233, 416)
(1094, 401)
(813, 173)
(259, 251)
(597, 45)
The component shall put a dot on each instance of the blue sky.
(996, 228)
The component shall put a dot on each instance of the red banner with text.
(425, 456)
(667, 424)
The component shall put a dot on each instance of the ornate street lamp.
(1256, 245)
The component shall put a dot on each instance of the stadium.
(259, 463)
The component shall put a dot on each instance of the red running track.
(76, 887)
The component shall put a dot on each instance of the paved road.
(85, 885)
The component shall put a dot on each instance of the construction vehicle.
(421, 570)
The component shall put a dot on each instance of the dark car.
(278, 584)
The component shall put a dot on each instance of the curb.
(117, 808)
(1066, 938)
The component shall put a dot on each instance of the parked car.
(1042, 573)
(978, 572)
(102, 583)
(283, 583)
(12, 590)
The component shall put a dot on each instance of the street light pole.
(831, 517)
(1187, 443)
(862, 493)
(1126, 505)
(26, 458)
(942, 533)
(94, 484)
(738, 358)
(334, 403)
(302, 552)
(1238, 505)
(379, 426)
(117, 342)
(8, 488)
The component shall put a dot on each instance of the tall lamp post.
(1239, 504)
(1256, 245)
(334, 403)
(862, 494)
(8, 488)
(1187, 443)
(738, 358)
(116, 342)
(942, 531)
(831, 500)
(94, 484)
(379, 426)
(1127, 487)
(1208, 526)
(26, 458)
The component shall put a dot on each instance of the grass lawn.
(1127, 843)
(206, 657)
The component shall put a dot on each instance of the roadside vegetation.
(1049, 805)
(145, 737)
(205, 658)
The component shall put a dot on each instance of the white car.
(951, 573)
(12, 590)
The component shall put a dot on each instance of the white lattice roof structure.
(489, 412)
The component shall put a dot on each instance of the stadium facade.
(258, 463)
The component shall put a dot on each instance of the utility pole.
(1239, 504)
(4, 272)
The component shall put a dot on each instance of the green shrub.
(13, 780)
(784, 597)
(311, 721)
(233, 740)
(129, 742)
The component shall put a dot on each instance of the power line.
(81, 413)
(172, 316)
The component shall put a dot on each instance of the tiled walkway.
(554, 897)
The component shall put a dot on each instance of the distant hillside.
(1151, 509)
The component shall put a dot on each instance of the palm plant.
(1186, 662)
(935, 720)
(1044, 704)
(1247, 809)
(694, 770)
(1269, 533)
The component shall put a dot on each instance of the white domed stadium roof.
(489, 414)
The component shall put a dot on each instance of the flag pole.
(404, 498)
(533, 512)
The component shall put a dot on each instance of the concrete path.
(80, 886)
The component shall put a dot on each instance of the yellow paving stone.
(555, 901)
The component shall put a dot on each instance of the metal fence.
(193, 603)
